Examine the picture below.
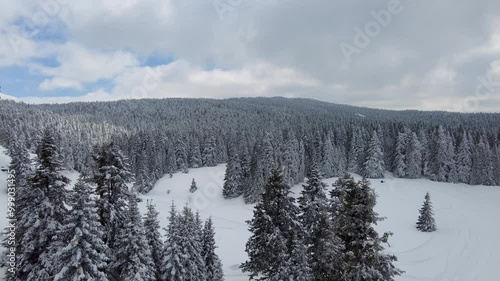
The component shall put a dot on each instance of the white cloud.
(80, 65)
(288, 48)
(59, 83)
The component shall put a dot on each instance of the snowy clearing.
(463, 248)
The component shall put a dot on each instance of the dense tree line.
(165, 136)
(95, 230)
(323, 238)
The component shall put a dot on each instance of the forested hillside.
(254, 134)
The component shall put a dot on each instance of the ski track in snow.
(464, 248)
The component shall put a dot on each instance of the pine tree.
(173, 268)
(261, 168)
(181, 155)
(274, 227)
(110, 177)
(193, 187)
(442, 160)
(195, 159)
(291, 161)
(426, 221)
(190, 243)
(208, 154)
(313, 203)
(482, 164)
(325, 251)
(133, 259)
(355, 151)
(329, 162)
(233, 180)
(21, 164)
(374, 165)
(399, 168)
(321, 243)
(43, 214)
(363, 256)
(212, 261)
(464, 159)
(153, 237)
(414, 157)
(80, 252)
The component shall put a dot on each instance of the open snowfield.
(465, 247)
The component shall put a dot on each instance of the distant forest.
(254, 135)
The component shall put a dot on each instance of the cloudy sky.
(429, 55)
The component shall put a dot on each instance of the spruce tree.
(212, 261)
(173, 268)
(414, 157)
(321, 243)
(43, 214)
(275, 228)
(313, 203)
(21, 164)
(133, 259)
(374, 164)
(193, 187)
(233, 180)
(195, 155)
(362, 253)
(208, 154)
(80, 252)
(399, 164)
(153, 237)
(181, 155)
(190, 243)
(482, 164)
(426, 221)
(110, 177)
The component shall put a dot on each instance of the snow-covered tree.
(233, 180)
(195, 154)
(153, 237)
(193, 188)
(43, 214)
(212, 261)
(208, 154)
(111, 177)
(181, 155)
(374, 164)
(80, 252)
(362, 252)
(173, 267)
(399, 163)
(426, 222)
(322, 244)
(291, 161)
(275, 228)
(482, 164)
(313, 203)
(132, 260)
(414, 157)
(21, 164)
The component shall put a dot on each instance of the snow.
(360, 115)
(463, 248)
(6, 97)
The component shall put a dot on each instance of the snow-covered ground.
(464, 248)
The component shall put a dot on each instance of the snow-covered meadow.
(464, 248)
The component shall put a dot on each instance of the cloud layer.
(391, 54)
